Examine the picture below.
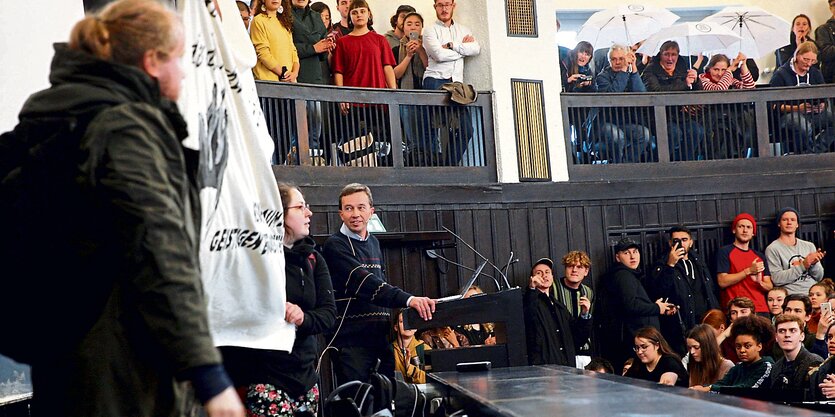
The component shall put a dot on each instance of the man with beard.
(624, 307)
(683, 279)
(573, 294)
(741, 271)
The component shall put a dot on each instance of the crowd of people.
(146, 333)
(696, 133)
(754, 321)
(296, 41)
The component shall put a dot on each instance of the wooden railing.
(414, 134)
(700, 133)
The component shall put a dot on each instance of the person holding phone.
(683, 278)
(411, 65)
(741, 270)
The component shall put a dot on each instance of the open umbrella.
(761, 31)
(624, 25)
(692, 37)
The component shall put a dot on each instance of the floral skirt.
(265, 400)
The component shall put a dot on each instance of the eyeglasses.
(304, 206)
(444, 6)
(638, 348)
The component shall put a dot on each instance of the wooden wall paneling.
(632, 216)
(558, 232)
(669, 212)
(766, 206)
(709, 210)
(504, 236)
(613, 215)
(576, 226)
(650, 214)
(464, 225)
(688, 212)
(595, 235)
(493, 246)
(538, 236)
(827, 207)
(521, 244)
(727, 208)
(747, 204)
(786, 200)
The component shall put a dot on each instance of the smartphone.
(826, 307)
(413, 36)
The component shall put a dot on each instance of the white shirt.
(447, 63)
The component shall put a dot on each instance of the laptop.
(466, 287)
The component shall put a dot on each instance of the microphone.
(480, 255)
(432, 254)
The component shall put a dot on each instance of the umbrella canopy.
(692, 38)
(761, 31)
(624, 25)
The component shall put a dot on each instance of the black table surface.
(562, 391)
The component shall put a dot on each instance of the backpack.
(409, 401)
(38, 160)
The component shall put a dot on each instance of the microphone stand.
(480, 255)
(432, 254)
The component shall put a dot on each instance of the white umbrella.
(624, 25)
(692, 37)
(761, 31)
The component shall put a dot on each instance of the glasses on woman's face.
(303, 206)
(641, 348)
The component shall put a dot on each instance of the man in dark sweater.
(363, 297)
(825, 39)
(792, 370)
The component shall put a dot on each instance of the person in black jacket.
(670, 72)
(549, 326)
(683, 279)
(281, 379)
(623, 306)
(825, 39)
(363, 295)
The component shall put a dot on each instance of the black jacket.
(549, 327)
(308, 286)
(795, 376)
(674, 284)
(622, 307)
(656, 78)
(825, 40)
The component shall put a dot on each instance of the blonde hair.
(805, 47)
(123, 31)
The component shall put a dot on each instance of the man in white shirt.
(447, 43)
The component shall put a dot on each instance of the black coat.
(622, 307)
(549, 327)
(308, 286)
(672, 283)
(307, 30)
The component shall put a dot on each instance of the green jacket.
(130, 250)
(307, 30)
(747, 375)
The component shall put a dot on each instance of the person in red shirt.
(741, 271)
(363, 58)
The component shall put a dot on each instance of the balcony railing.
(635, 134)
(381, 136)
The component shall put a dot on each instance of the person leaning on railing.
(809, 124)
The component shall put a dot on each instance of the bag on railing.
(362, 151)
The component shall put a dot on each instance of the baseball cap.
(543, 261)
(626, 243)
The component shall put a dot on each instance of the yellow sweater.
(402, 363)
(274, 46)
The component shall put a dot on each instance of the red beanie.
(744, 216)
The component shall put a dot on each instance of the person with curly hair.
(749, 334)
(271, 35)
